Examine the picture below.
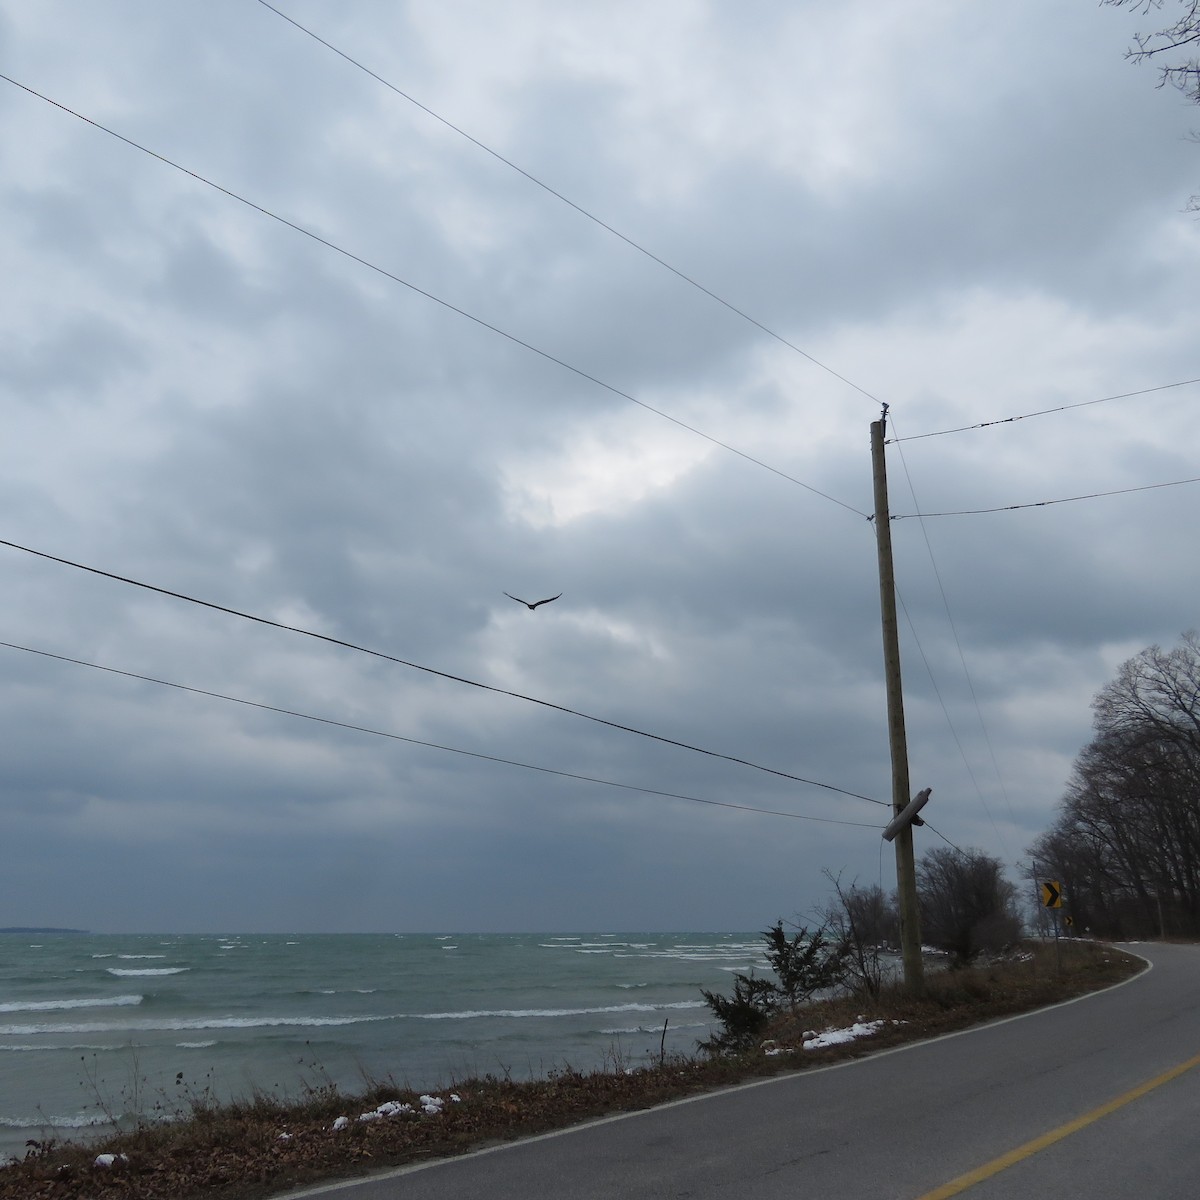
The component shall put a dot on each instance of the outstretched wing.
(518, 599)
(546, 601)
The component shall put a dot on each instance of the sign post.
(1052, 899)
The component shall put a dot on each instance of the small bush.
(804, 964)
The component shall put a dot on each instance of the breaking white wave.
(79, 1121)
(555, 1012)
(182, 1024)
(147, 970)
(655, 1029)
(177, 1024)
(19, 1048)
(62, 1005)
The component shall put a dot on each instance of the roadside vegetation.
(264, 1145)
(1126, 844)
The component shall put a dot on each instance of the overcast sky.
(967, 212)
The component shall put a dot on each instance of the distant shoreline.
(35, 929)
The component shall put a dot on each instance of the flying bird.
(534, 605)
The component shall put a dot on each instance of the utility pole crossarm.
(908, 816)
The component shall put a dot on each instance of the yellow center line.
(957, 1186)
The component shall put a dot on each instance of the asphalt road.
(1043, 1106)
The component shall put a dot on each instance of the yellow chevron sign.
(1052, 895)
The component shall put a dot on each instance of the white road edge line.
(327, 1188)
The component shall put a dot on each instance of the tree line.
(1126, 843)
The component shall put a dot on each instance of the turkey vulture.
(534, 605)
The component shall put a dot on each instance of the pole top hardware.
(908, 814)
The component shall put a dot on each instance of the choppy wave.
(147, 970)
(78, 1121)
(739, 951)
(392, 1002)
(181, 1024)
(632, 1029)
(472, 1014)
(63, 1005)
(18, 1048)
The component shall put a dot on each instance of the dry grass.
(238, 1151)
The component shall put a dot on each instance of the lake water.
(96, 1025)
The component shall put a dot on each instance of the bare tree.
(866, 926)
(1181, 33)
(1170, 47)
(967, 905)
(1127, 840)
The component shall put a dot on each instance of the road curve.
(1098, 1098)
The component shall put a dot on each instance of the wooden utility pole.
(906, 869)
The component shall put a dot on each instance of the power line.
(288, 712)
(946, 712)
(487, 687)
(972, 512)
(1042, 412)
(316, 237)
(962, 658)
(944, 838)
(570, 203)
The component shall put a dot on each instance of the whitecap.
(79, 1121)
(60, 1005)
(473, 1014)
(176, 1024)
(147, 970)
(17, 1048)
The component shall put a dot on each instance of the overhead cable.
(509, 762)
(567, 201)
(962, 660)
(946, 712)
(972, 512)
(462, 312)
(945, 838)
(1043, 412)
(487, 687)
